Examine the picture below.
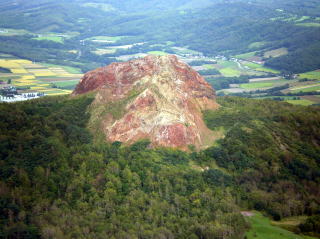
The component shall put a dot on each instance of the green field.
(268, 70)
(208, 67)
(256, 85)
(261, 228)
(312, 75)
(307, 89)
(258, 67)
(300, 102)
(13, 32)
(257, 44)
(103, 51)
(69, 69)
(67, 84)
(158, 53)
(252, 65)
(276, 53)
(249, 54)
(50, 38)
(183, 50)
(309, 24)
(229, 64)
(229, 72)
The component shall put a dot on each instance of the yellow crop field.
(42, 73)
(21, 61)
(59, 93)
(8, 64)
(18, 70)
(37, 88)
(38, 77)
(68, 91)
(28, 77)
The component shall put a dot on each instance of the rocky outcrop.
(160, 98)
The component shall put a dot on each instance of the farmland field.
(276, 52)
(183, 50)
(159, 53)
(310, 88)
(50, 38)
(300, 102)
(257, 85)
(309, 24)
(229, 72)
(103, 51)
(246, 55)
(208, 66)
(40, 77)
(258, 67)
(257, 44)
(69, 69)
(268, 70)
(313, 75)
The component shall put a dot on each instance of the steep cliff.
(156, 97)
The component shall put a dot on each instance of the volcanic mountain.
(156, 97)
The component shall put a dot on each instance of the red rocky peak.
(158, 97)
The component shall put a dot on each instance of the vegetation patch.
(300, 102)
(309, 88)
(158, 53)
(313, 75)
(256, 45)
(57, 39)
(229, 72)
(309, 24)
(69, 69)
(268, 70)
(276, 53)
(257, 85)
(261, 228)
(290, 223)
(246, 55)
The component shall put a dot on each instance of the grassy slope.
(261, 228)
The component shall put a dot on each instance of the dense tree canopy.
(57, 182)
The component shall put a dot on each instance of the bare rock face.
(156, 97)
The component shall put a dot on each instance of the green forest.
(58, 181)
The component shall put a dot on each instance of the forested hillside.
(58, 183)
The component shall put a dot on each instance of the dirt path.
(247, 214)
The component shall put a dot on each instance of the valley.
(52, 79)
